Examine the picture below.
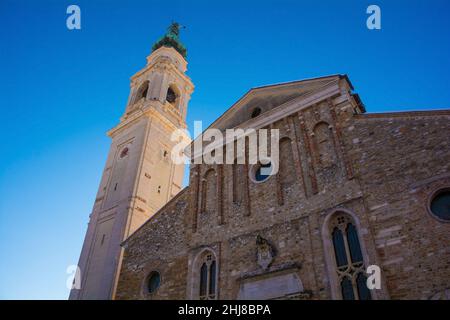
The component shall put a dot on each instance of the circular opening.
(154, 281)
(261, 172)
(440, 204)
(256, 112)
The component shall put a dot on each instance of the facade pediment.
(266, 98)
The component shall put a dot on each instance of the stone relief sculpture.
(265, 252)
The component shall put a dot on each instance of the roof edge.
(400, 114)
(251, 90)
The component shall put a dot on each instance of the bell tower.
(139, 175)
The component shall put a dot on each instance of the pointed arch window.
(353, 244)
(207, 277)
(203, 279)
(363, 291)
(339, 248)
(323, 140)
(348, 258)
(347, 289)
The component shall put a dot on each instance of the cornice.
(150, 112)
(403, 114)
(161, 66)
(272, 88)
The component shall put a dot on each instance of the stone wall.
(401, 159)
(159, 245)
(380, 169)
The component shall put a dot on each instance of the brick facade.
(378, 169)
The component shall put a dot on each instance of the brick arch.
(209, 189)
(325, 152)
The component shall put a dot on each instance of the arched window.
(323, 140)
(440, 205)
(256, 112)
(347, 289)
(172, 95)
(348, 258)
(262, 172)
(207, 276)
(142, 91)
(153, 282)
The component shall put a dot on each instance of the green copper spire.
(171, 39)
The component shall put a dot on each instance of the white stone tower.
(139, 176)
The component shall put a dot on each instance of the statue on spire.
(174, 28)
(170, 39)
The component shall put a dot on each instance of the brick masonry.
(380, 169)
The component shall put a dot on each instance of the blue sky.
(61, 90)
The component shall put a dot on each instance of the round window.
(154, 281)
(256, 112)
(440, 205)
(261, 172)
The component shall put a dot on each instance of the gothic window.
(363, 291)
(348, 258)
(142, 91)
(207, 289)
(440, 205)
(212, 280)
(347, 289)
(203, 279)
(256, 112)
(353, 244)
(339, 248)
(323, 140)
(171, 95)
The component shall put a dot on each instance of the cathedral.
(354, 192)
